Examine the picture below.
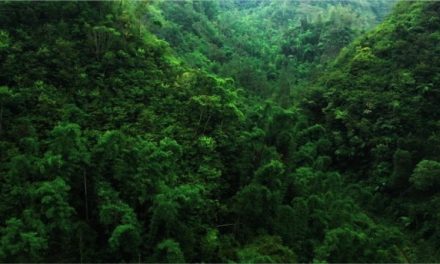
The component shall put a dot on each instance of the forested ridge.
(220, 131)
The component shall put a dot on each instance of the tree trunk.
(86, 198)
(1, 118)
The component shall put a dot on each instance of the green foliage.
(20, 243)
(379, 102)
(426, 175)
(168, 251)
(4, 40)
(348, 244)
(52, 197)
(266, 249)
(265, 44)
(125, 135)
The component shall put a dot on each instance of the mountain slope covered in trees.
(380, 99)
(268, 47)
(122, 141)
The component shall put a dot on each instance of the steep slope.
(107, 144)
(263, 45)
(112, 150)
(380, 101)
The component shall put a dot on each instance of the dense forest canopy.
(220, 131)
(264, 45)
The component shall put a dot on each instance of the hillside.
(380, 100)
(270, 48)
(125, 138)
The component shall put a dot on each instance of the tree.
(168, 251)
(6, 97)
(67, 141)
(402, 168)
(21, 243)
(271, 175)
(266, 249)
(254, 206)
(102, 39)
(179, 213)
(426, 175)
(67, 159)
(55, 208)
(122, 227)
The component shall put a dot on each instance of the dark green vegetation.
(233, 131)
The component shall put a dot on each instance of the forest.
(220, 131)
